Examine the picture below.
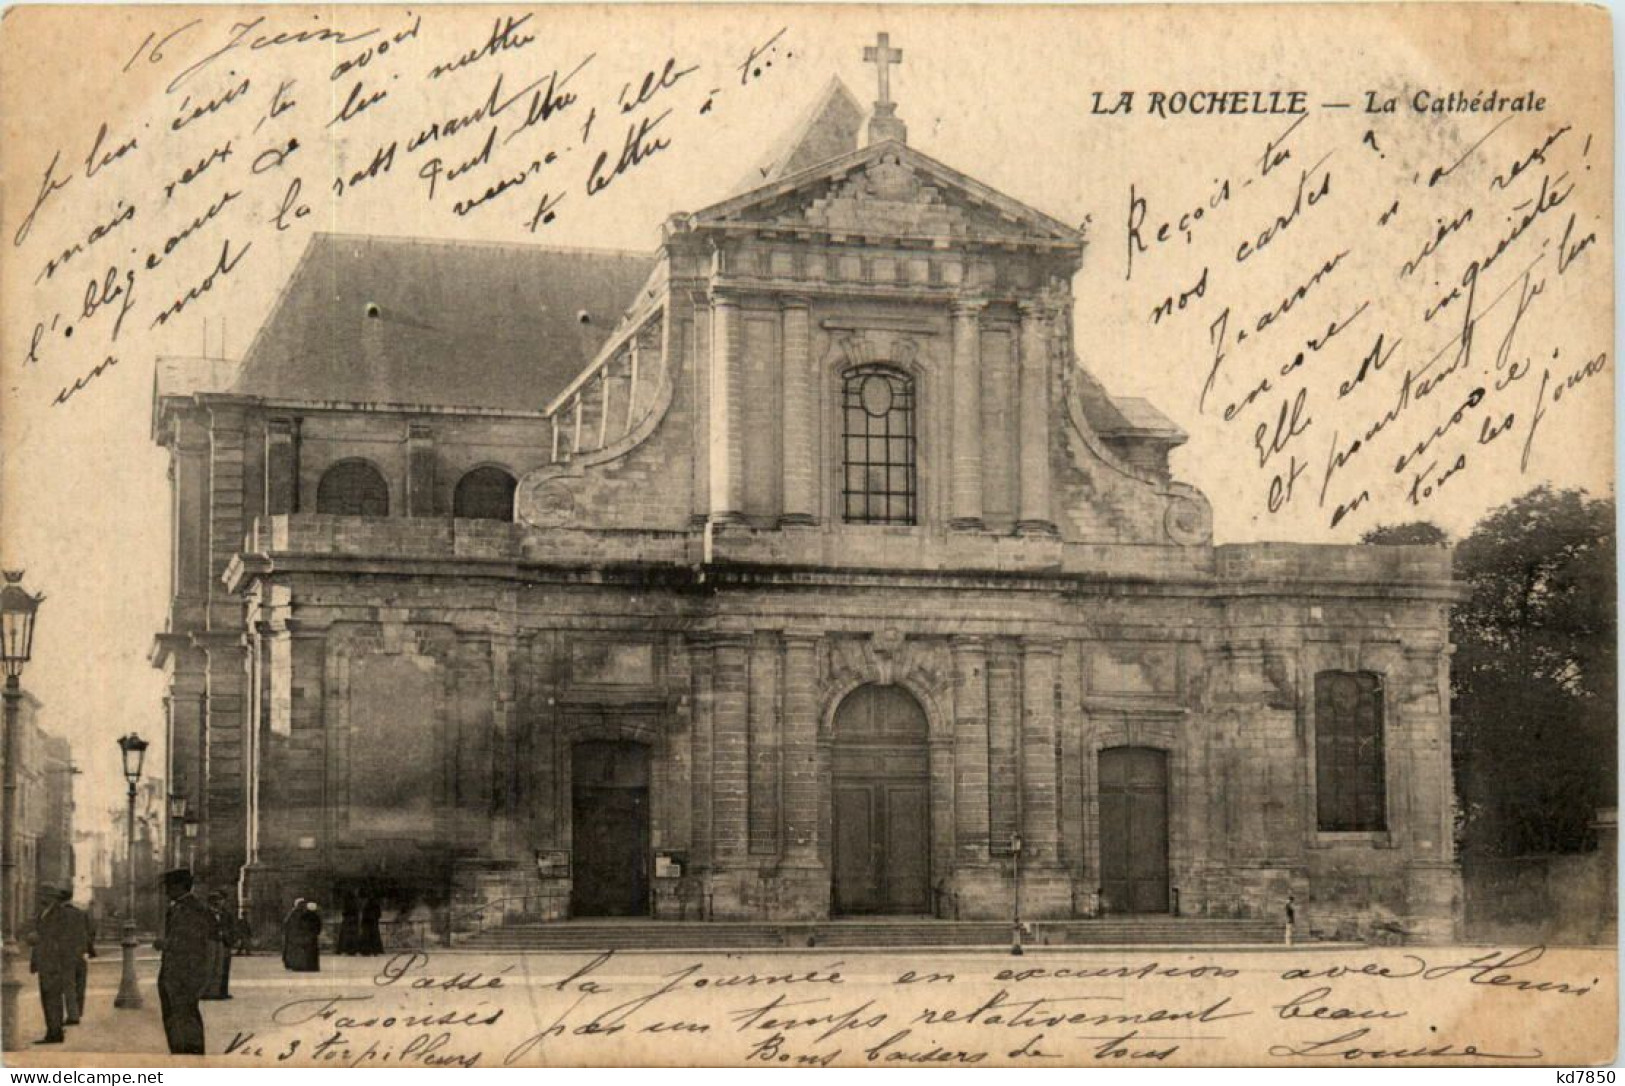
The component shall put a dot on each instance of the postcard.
(795, 535)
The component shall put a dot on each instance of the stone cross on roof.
(885, 124)
(883, 56)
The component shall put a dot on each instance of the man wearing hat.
(189, 928)
(56, 940)
(84, 942)
(81, 967)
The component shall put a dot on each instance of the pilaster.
(420, 471)
(766, 750)
(281, 466)
(966, 505)
(1033, 516)
(800, 457)
(730, 699)
(801, 749)
(970, 750)
(1040, 658)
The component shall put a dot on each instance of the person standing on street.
(290, 935)
(372, 938)
(79, 922)
(220, 955)
(349, 941)
(189, 927)
(56, 937)
(307, 955)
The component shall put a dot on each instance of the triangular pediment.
(889, 190)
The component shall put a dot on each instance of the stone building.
(798, 569)
(44, 806)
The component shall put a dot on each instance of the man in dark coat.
(189, 927)
(220, 954)
(74, 992)
(57, 936)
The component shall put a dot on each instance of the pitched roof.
(831, 128)
(438, 323)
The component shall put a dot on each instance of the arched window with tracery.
(879, 483)
(353, 488)
(484, 494)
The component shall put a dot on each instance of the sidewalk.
(258, 983)
(102, 1027)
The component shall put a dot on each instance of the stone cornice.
(1064, 585)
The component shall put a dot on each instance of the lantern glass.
(177, 806)
(17, 609)
(191, 829)
(135, 751)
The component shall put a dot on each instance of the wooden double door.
(609, 829)
(1134, 830)
(882, 805)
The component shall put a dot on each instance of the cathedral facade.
(797, 570)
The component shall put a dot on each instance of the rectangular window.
(1350, 774)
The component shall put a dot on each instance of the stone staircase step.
(668, 935)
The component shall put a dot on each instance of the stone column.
(730, 784)
(1033, 514)
(281, 466)
(967, 415)
(727, 393)
(800, 456)
(1040, 658)
(970, 749)
(801, 748)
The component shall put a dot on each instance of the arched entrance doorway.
(609, 828)
(1134, 830)
(882, 814)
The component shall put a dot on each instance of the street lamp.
(17, 610)
(177, 821)
(1015, 910)
(192, 826)
(134, 749)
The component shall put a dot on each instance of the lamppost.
(134, 749)
(1015, 905)
(192, 826)
(177, 824)
(17, 610)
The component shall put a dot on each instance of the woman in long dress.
(290, 934)
(349, 941)
(310, 938)
(372, 936)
